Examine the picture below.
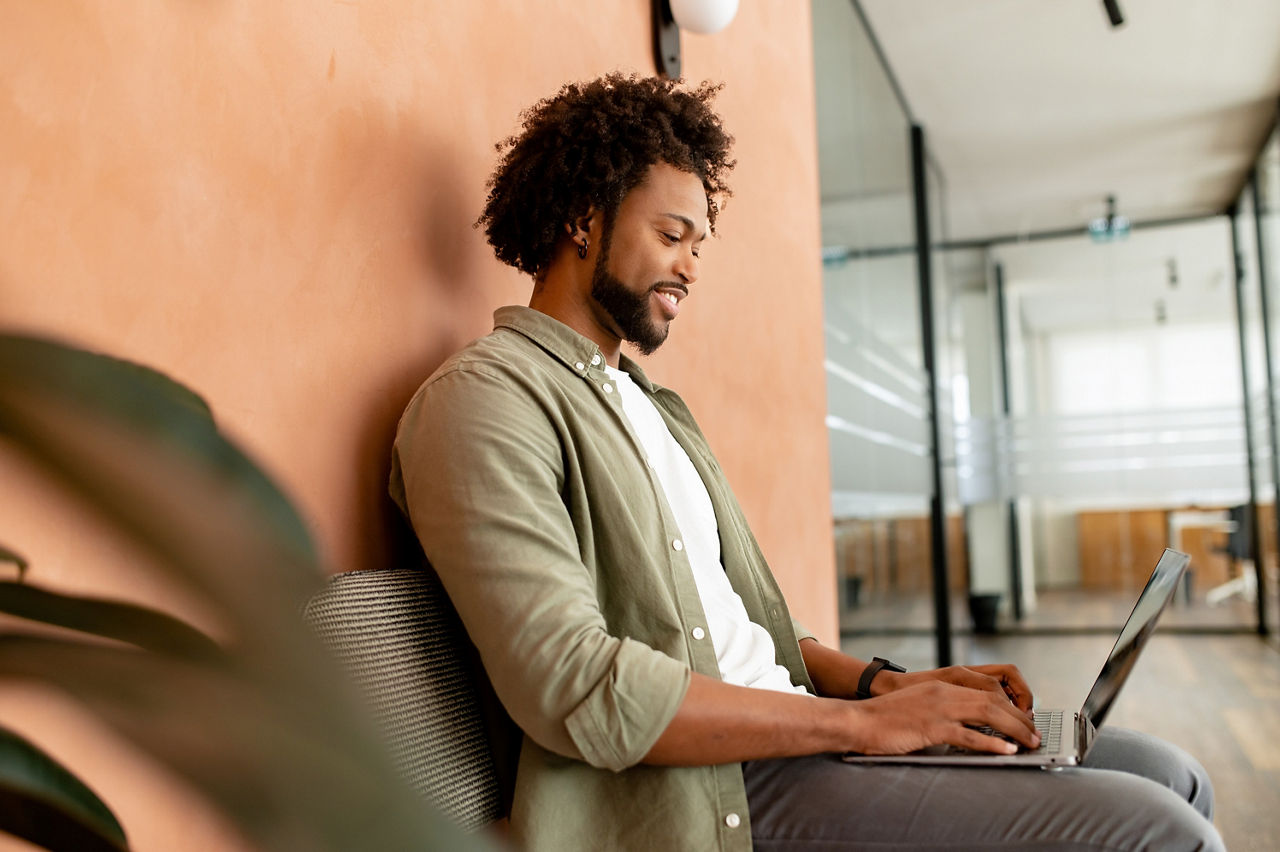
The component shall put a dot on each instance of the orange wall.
(272, 202)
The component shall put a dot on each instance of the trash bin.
(984, 609)
(853, 590)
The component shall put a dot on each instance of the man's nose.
(686, 267)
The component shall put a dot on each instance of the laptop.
(1066, 737)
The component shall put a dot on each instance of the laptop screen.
(1142, 621)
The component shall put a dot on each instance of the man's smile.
(670, 296)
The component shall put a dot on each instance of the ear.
(581, 223)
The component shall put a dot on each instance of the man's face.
(649, 256)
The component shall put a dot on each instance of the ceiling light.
(1104, 229)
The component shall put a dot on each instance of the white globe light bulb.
(703, 16)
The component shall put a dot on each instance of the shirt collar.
(563, 343)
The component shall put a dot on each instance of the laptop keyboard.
(1048, 723)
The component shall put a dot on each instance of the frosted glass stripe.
(883, 438)
(872, 389)
(1145, 455)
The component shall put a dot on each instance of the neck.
(564, 294)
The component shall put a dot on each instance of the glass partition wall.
(946, 270)
(1130, 403)
(1051, 413)
(877, 386)
(1257, 223)
(1259, 523)
(1126, 432)
(1140, 411)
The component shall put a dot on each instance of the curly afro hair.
(588, 146)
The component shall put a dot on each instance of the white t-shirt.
(744, 649)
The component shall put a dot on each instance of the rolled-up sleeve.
(614, 726)
(479, 470)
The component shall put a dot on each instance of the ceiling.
(1177, 275)
(1036, 111)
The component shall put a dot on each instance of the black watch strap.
(873, 669)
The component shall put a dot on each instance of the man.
(623, 612)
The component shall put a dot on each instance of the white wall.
(1187, 365)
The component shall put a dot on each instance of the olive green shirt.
(533, 500)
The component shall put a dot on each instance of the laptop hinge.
(1084, 732)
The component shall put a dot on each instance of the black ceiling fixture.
(1113, 12)
(666, 40)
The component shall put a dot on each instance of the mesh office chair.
(398, 635)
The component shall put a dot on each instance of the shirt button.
(678, 544)
(595, 360)
(608, 388)
(733, 820)
(699, 633)
(580, 366)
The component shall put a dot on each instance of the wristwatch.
(873, 669)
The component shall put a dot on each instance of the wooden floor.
(1216, 696)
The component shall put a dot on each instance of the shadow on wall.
(387, 537)
(448, 293)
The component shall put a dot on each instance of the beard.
(631, 311)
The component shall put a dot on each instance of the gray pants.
(1134, 792)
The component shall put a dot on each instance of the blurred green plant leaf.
(137, 625)
(267, 731)
(291, 774)
(42, 803)
(7, 555)
(138, 449)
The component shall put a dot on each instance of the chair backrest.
(398, 635)
(1240, 539)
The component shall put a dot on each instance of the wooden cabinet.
(895, 554)
(1119, 548)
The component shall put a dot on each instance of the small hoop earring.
(582, 249)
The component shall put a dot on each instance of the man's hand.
(1001, 679)
(836, 675)
(722, 723)
(936, 711)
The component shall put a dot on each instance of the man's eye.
(671, 238)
